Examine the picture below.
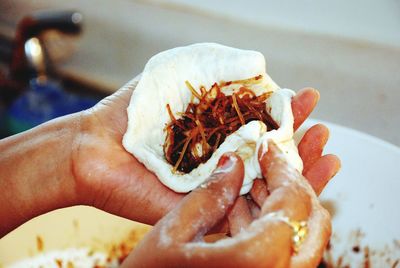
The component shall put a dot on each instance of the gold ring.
(300, 229)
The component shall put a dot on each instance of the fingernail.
(262, 151)
(264, 147)
(225, 164)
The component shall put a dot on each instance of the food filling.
(211, 116)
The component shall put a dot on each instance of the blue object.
(42, 102)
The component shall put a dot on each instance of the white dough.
(163, 82)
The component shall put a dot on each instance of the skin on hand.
(35, 173)
(111, 179)
(266, 242)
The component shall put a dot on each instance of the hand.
(107, 176)
(111, 179)
(176, 240)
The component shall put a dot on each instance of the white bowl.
(75, 227)
(363, 199)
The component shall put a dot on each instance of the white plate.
(364, 199)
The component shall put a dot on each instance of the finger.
(123, 95)
(240, 216)
(312, 144)
(259, 191)
(125, 92)
(255, 209)
(222, 227)
(111, 111)
(303, 104)
(274, 167)
(282, 179)
(319, 174)
(290, 192)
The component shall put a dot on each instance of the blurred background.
(349, 50)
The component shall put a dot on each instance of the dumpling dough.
(163, 82)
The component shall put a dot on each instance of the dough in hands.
(163, 82)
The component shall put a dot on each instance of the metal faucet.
(29, 54)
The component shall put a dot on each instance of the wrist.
(80, 157)
(36, 175)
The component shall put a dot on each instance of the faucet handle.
(27, 38)
(63, 21)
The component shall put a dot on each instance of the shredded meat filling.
(194, 137)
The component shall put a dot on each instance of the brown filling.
(192, 139)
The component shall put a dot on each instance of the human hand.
(107, 176)
(176, 240)
(111, 179)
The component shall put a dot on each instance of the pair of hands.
(111, 179)
(291, 228)
(88, 165)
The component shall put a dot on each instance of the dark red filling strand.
(192, 139)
